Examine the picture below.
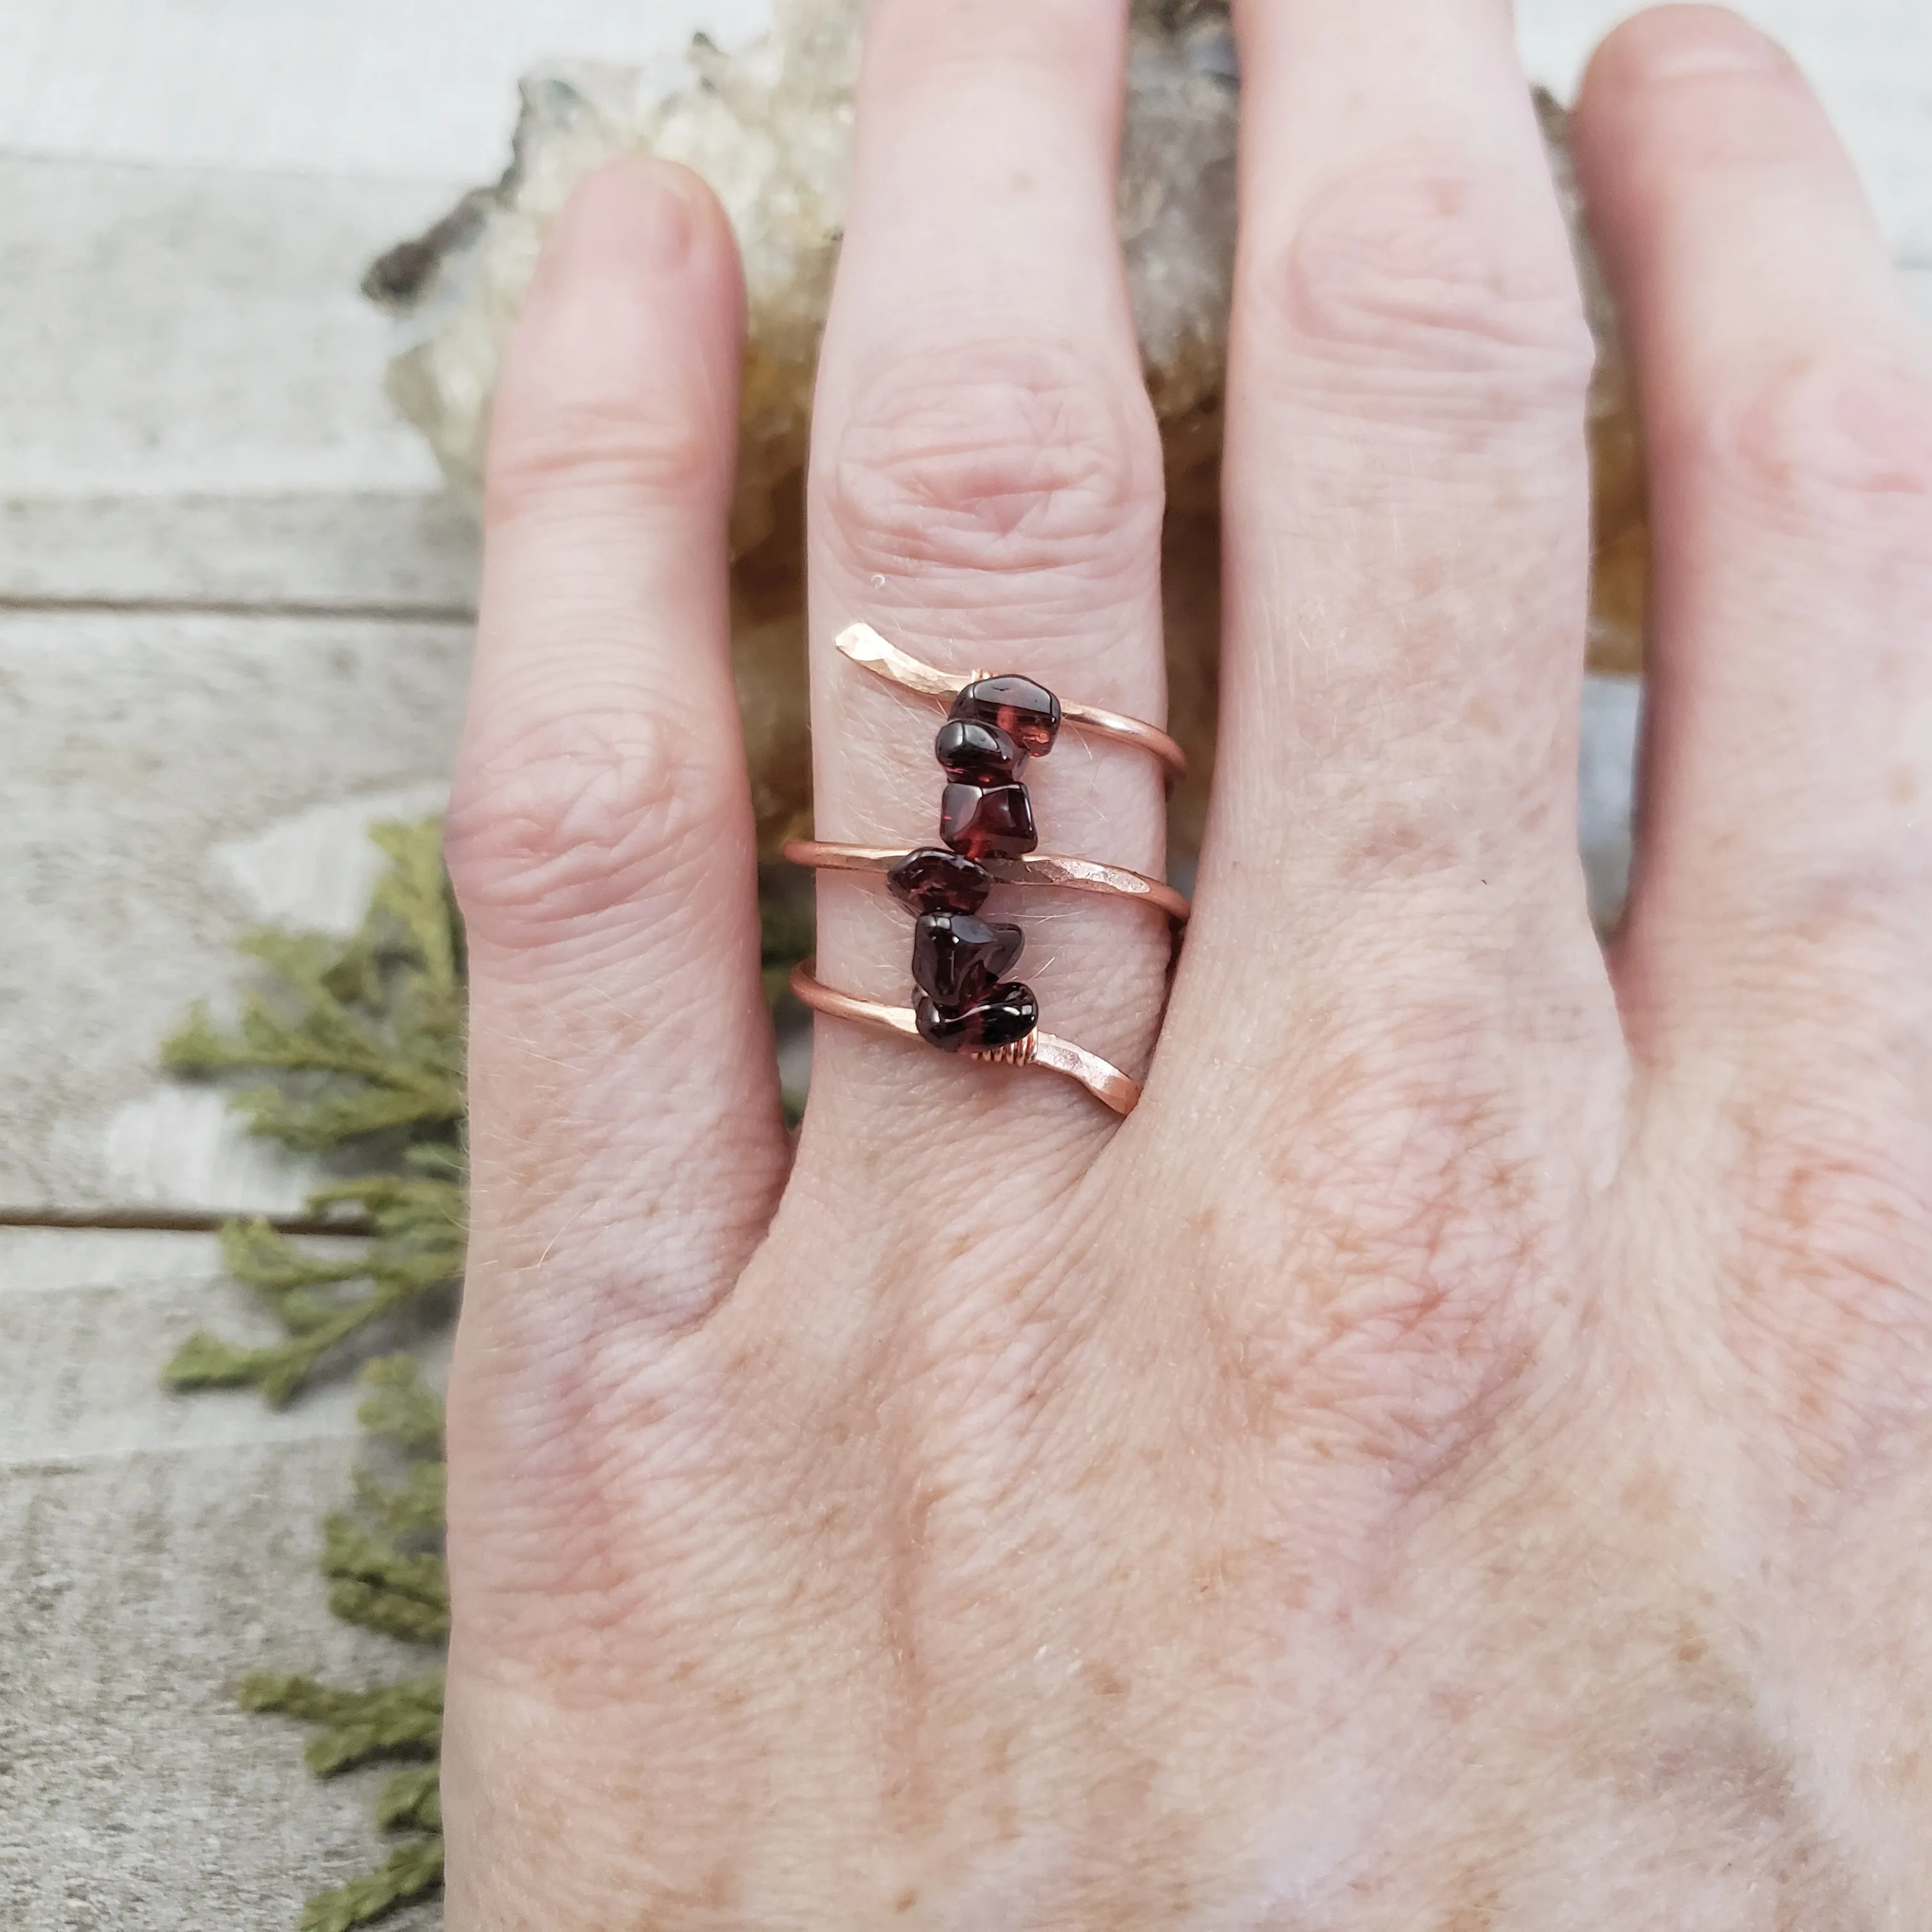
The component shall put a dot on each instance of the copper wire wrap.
(1035, 868)
(865, 646)
(1101, 1078)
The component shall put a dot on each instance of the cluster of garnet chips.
(960, 961)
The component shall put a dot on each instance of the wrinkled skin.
(1460, 1455)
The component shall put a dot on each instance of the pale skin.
(1460, 1456)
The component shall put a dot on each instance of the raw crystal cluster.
(769, 128)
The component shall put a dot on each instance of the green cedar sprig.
(364, 1037)
(384, 1557)
(361, 1039)
(411, 1871)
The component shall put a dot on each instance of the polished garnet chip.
(977, 754)
(934, 880)
(958, 960)
(1007, 1014)
(1028, 712)
(988, 822)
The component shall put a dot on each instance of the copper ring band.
(1101, 1078)
(1034, 868)
(865, 646)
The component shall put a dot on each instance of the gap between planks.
(178, 1221)
(201, 606)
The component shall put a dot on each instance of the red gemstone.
(1028, 712)
(958, 960)
(1007, 1013)
(934, 880)
(977, 754)
(989, 822)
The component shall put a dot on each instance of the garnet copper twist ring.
(966, 1003)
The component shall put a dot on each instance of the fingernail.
(666, 222)
(639, 215)
(1718, 47)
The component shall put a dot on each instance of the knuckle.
(1426, 1213)
(1017, 456)
(1830, 1315)
(1836, 448)
(580, 454)
(576, 822)
(1423, 280)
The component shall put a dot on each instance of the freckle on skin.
(1646, 1498)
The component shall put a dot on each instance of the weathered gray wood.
(153, 1549)
(191, 408)
(365, 552)
(1605, 786)
(170, 781)
(87, 1317)
(1918, 287)
(356, 86)
(363, 86)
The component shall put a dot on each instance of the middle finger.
(985, 490)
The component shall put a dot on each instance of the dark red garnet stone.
(989, 822)
(934, 880)
(1007, 1013)
(1028, 712)
(958, 960)
(977, 754)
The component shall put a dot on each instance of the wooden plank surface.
(153, 1549)
(423, 91)
(171, 781)
(421, 88)
(191, 406)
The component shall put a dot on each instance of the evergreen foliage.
(384, 1558)
(363, 1040)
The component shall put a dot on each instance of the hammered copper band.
(864, 645)
(1101, 1078)
(1030, 868)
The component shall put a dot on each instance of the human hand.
(1460, 1454)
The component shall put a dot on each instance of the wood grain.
(171, 782)
(191, 407)
(154, 1548)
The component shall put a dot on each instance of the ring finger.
(985, 491)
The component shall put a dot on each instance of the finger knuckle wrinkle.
(1018, 458)
(1423, 1217)
(572, 825)
(1419, 269)
(580, 454)
(1830, 1276)
(1836, 446)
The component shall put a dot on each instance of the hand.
(1460, 1455)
